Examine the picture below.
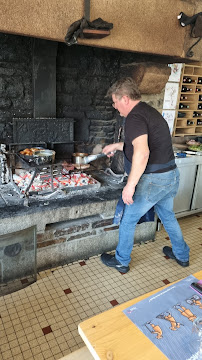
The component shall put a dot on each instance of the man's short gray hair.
(125, 86)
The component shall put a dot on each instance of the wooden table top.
(111, 335)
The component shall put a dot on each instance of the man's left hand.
(127, 194)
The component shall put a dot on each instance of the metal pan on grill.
(45, 156)
(40, 157)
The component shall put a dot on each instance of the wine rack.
(188, 119)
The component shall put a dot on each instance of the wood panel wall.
(146, 26)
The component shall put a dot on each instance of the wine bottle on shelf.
(183, 106)
(190, 122)
(196, 114)
(199, 122)
(200, 98)
(181, 114)
(185, 89)
(188, 80)
(200, 80)
(198, 89)
(200, 106)
(182, 97)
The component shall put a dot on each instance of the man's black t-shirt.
(144, 119)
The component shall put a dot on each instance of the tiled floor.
(40, 321)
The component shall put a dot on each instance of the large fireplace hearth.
(70, 226)
(53, 96)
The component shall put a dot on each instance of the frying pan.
(40, 157)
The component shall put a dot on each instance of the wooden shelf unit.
(188, 120)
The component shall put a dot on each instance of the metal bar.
(6, 202)
(44, 78)
(51, 174)
(87, 9)
(31, 181)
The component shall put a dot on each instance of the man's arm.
(139, 163)
(112, 147)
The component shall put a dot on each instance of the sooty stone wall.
(15, 82)
(83, 76)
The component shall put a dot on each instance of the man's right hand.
(127, 194)
(110, 149)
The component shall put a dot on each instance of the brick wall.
(75, 230)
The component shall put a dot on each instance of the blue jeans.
(158, 190)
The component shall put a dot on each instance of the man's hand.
(139, 163)
(127, 194)
(109, 150)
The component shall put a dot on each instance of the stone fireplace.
(83, 76)
(74, 225)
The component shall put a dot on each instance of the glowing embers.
(43, 182)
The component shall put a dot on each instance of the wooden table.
(113, 336)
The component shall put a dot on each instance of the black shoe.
(167, 250)
(110, 260)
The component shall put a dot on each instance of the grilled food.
(29, 151)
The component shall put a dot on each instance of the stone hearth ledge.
(87, 213)
(43, 212)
